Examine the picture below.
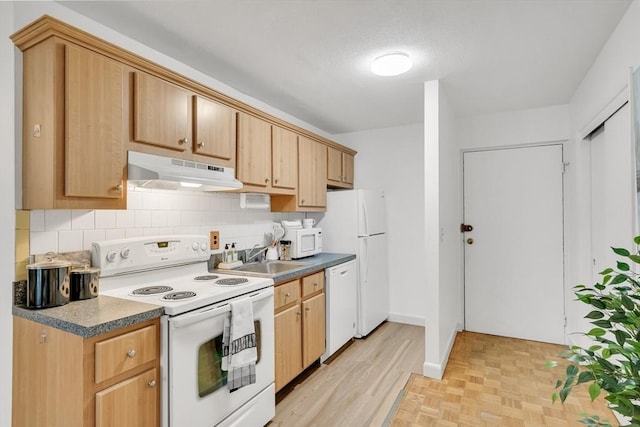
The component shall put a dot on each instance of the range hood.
(151, 171)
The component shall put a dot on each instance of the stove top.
(181, 285)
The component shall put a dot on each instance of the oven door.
(197, 388)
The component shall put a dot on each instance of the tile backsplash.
(153, 212)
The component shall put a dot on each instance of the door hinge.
(565, 165)
(565, 321)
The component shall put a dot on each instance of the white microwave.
(304, 241)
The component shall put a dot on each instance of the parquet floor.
(495, 381)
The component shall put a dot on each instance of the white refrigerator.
(356, 222)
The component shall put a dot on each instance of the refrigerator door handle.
(365, 262)
(365, 217)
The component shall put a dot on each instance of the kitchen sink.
(269, 268)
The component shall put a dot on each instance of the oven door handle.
(217, 310)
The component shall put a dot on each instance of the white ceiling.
(310, 58)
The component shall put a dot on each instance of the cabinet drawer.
(286, 294)
(124, 352)
(312, 284)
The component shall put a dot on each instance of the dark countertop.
(94, 316)
(312, 264)
(104, 314)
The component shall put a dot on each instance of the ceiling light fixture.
(391, 64)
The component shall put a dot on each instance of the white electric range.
(172, 271)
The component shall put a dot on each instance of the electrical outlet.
(214, 239)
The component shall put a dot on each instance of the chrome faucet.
(249, 253)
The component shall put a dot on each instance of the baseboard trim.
(408, 320)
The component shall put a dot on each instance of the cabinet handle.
(183, 141)
(277, 180)
(201, 144)
(302, 202)
(118, 187)
(315, 285)
(287, 295)
(307, 308)
(266, 180)
(131, 353)
(152, 383)
(299, 313)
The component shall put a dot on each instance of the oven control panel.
(127, 255)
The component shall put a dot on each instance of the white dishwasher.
(342, 306)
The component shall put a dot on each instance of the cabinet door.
(284, 146)
(313, 329)
(347, 168)
(288, 345)
(94, 101)
(130, 403)
(215, 129)
(254, 151)
(312, 173)
(334, 164)
(161, 113)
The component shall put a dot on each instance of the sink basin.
(269, 268)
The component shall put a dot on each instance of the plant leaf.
(621, 251)
(636, 240)
(564, 393)
(585, 376)
(594, 391)
(635, 258)
(594, 315)
(620, 278)
(628, 303)
(607, 271)
(623, 266)
(572, 370)
(596, 332)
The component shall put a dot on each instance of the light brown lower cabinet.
(61, 379)
(299, 326)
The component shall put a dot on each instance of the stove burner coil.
(176, 296)
(206, 277)
(152, 290)
(232, 281)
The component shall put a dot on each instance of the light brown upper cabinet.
(284, 151)
(312, 173)
(254, 151)
(73, 128)
(169, 117)
(161, 113)
(215, 129)
(339, 169)
(267, 156)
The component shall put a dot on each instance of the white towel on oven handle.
(239, 337)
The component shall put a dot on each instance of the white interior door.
(514, 254)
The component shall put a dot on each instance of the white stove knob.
(204, 246)
(125, 253)
(194, 246)
(111, 256)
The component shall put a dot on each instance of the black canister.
(84, 282)
(48, 283)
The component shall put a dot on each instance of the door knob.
(465, 227)
(470, 241)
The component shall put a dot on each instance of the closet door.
(612, 190)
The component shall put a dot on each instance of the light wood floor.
(489, 381)
(360, 386)
(495, 381)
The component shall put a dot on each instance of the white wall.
(450, 215)
(392, 159)
(7, 212)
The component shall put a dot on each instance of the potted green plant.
(612, 363)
